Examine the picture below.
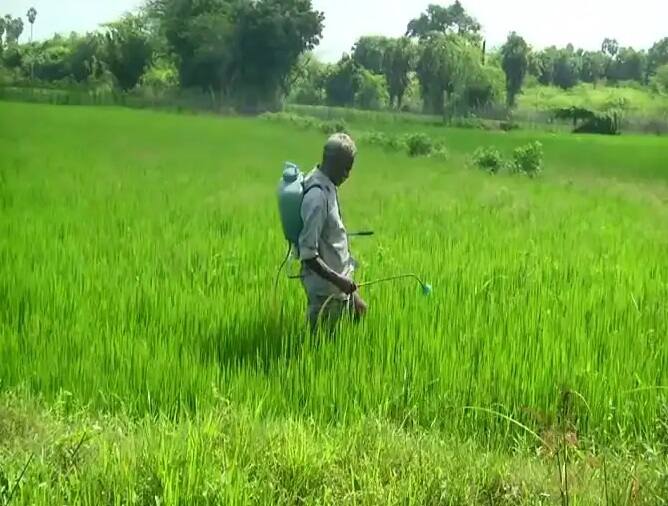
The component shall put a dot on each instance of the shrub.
(488, 159)
(470, 123)
(396, 143)
(508, 126)
(334, 126)
(419, 145)
(386, 141)
(373, 137)
(441, 153)
(305, 122)
(589, 121)
(528, 159)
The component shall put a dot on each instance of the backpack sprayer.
(291, 191)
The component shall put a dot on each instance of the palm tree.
(32, 15)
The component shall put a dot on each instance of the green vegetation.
(224, 55)
(229, 456)
(238, 53)
(145, 355)
(488, 159)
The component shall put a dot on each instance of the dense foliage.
(238, 51)
(252, 55)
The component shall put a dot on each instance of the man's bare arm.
(322, 269)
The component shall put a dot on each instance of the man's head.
(338, 158)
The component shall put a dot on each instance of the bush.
(334, 126)
(488, 159)
(386, 141)
(528, 159)
(441, 153)
(305, 122)
(396, 143)
(508, 126)
(373, 137)
(419, 145)
(470, 123)
(600, 124)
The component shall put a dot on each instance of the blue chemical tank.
(290, 196)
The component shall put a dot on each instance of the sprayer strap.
(323, 190)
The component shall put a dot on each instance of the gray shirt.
(323, 235)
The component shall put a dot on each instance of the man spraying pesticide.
(320, 236)
(312, 224)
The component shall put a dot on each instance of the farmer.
(327, 265)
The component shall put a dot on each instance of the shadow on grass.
(255, 340)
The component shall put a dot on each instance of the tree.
(129, 49)
(515, 62)
(484, 87)
(343, 82)
(271, 35)
(660, 79)
(372, 91)
(566, 71)
(393, 58)
(541, 65)
(452, 19)
(32, 16)
(444, 64)
(399, 60)
(307, 83)
(594, 65)
(610, 47)
(2, 33)
(370, 53)
(629, 65)
(13, 30)
(85, 61)
(243, 51)
(657, 56)
(52, 60)
(160, 76)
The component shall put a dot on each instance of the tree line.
(444, 56)
(254, 54)
(237, 51)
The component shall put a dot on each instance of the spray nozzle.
(427, 289)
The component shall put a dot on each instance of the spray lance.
(290, 195)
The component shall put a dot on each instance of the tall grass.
(137, 252)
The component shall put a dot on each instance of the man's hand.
(343, 283)
(346, 285)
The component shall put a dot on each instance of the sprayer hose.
(371, 283)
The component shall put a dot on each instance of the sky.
(584, 23)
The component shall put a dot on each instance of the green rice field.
(145, 357)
